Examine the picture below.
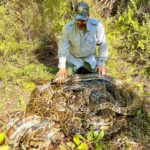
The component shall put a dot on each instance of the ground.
(138, 137)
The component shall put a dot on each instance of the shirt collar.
(88, 25)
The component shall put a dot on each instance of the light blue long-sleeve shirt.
(77, 45)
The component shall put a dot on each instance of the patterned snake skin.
(78, 104)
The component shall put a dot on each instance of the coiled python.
(78, 104)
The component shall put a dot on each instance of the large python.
(78, 104)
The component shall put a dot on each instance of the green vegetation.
(2, 136)
(28, 26)
(93, 140)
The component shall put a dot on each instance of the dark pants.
(86, 68)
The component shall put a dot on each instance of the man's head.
(81, 13)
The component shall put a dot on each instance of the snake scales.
(80, 103)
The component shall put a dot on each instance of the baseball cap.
(82, 11)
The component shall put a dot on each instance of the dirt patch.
(12, 98)
(146, 106)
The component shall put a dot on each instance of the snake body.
(78, 104)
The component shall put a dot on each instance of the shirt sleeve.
(102, 45)
(63, 49)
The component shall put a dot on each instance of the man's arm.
(102, 45)
(62, 52)
(102, 49)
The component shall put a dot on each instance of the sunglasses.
(81, 21)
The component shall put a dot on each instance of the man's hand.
(100, 70)
(62, 72)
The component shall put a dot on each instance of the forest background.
(29, 35)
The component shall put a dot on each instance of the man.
(78, 44)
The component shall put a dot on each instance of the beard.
(81, 25)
